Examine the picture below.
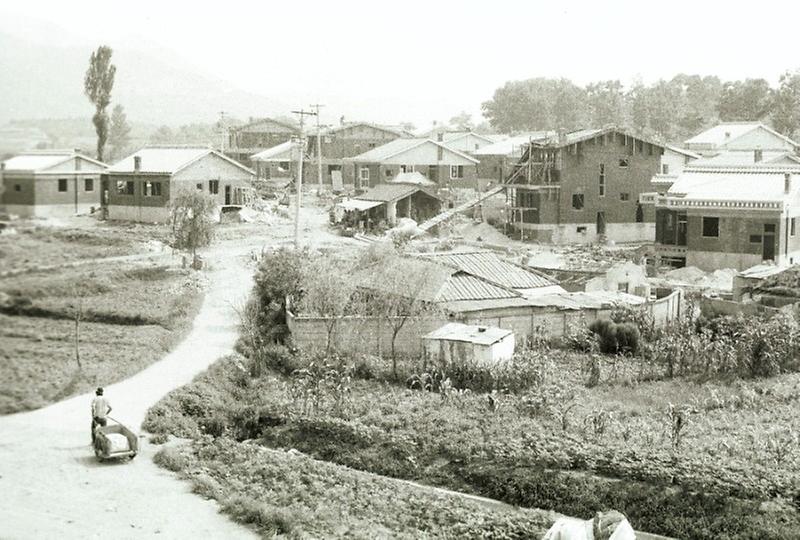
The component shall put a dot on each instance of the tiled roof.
(168, 159)
(39, 160)
(741, 158)
(726, 132)
(734, 184)
(398, 146)
(390, 192)
(489, 266)
(481, 335)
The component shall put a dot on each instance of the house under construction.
(584, 186)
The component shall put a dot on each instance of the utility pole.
(222, 131)
(316, 107)
(298, 184)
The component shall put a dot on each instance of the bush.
(170, 458)
(267, 518)
(616, 338)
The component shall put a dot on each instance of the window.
(388, 173)
(665, 168)
(577, 201)
(62, 185)
(581, 230)
(88, 184)
(200, 186)
(406, 168)
(769, 227)
(17, 187)
(213, 186)
(363, 173)
(623, 163)
(755, 238)
(456, 171)
(602, 180)
(152, 189)
(371, 145)
(624, 196)
(792, 226)
(283, 166)
(125, 187)
(711, 227)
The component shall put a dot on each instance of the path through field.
(51, 485)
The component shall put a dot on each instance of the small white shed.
(457, 342)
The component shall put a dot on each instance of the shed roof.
(467, 333)
(168, 159)
(44, 159)
(398, 146)
(488, 265)
(392, 192)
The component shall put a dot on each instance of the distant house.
(50, 183)
(673, 161)
(389, 202)
(720, 216)
(733, 136)
(585, 186)
(257, 135)
(499, 159)
(140, 186)
(346, 141)
(468, 142)
(434, 159)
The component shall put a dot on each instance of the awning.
(358, 204)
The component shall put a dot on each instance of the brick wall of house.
(581, 174)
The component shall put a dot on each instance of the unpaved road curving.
(51, 485)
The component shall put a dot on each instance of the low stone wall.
(372, 335)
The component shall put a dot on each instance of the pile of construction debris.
(691, 276)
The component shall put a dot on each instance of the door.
(433, 173)
(227, 195)
(768, 242)
(601, 223)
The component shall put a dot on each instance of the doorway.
(601, 223)
(227, 195)
(768, 242)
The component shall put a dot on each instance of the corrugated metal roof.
(480, 335)
(489, 266)
(391, 192)
(462, 286)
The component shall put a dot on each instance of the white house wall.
(758, 138)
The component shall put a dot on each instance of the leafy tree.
(786, 110)
(744, 101)
(462, 121)
(328, 291)
(192, 220)
(119, 134)
(163, 135)
(637, 99)
(606, 102)
(536, 104)
(278, 278)
(98, 83)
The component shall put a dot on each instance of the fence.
(373, 335)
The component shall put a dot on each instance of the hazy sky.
(424, 60)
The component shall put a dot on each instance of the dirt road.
(51, 486)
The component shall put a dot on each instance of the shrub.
(159, 438)
(267, 518)
(616, 337)
(170, 458)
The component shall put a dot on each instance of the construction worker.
(100, 409)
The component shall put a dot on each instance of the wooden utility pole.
(316, 107)
(222, 131)
(298, 184)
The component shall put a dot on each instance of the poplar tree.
(98, 84)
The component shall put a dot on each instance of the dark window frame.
(63, 185)
(580, 199)
(88, 184)
(710, 220)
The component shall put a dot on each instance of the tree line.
(667, 110)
